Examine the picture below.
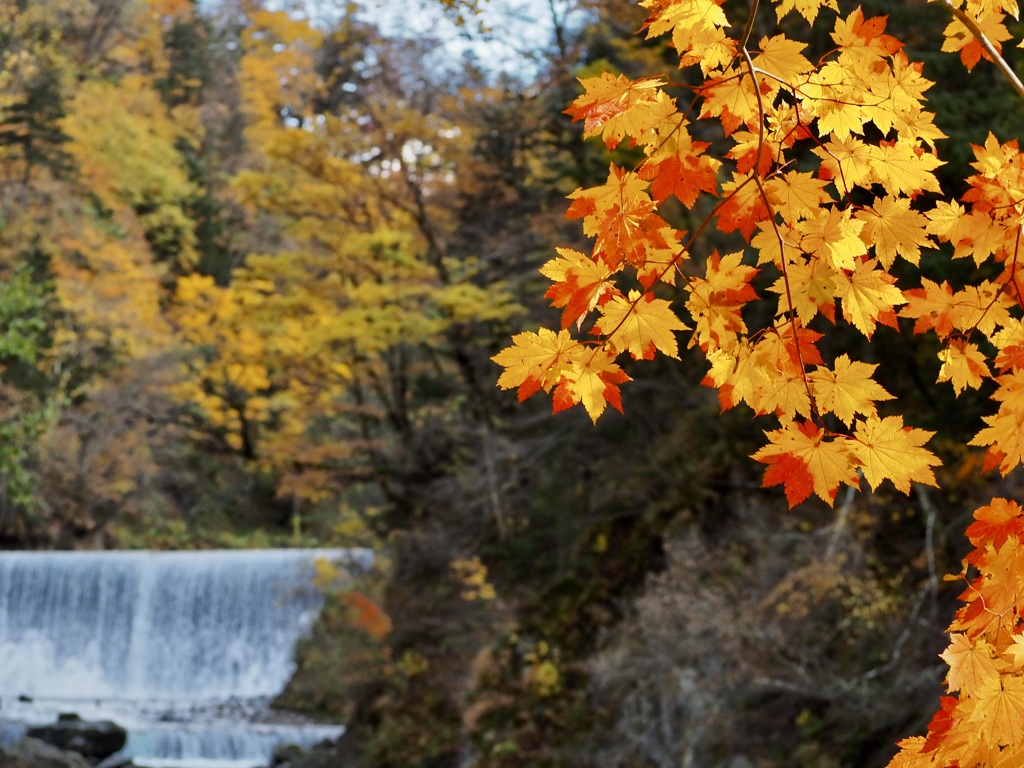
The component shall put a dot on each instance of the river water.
(185, 649)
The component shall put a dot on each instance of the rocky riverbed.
(71, 742)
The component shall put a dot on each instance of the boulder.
(116, 761)
(323, 755)
(95, 739)
(33, 753)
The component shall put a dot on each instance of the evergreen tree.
(33, 126)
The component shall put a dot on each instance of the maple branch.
(755, 175)
(1013, 270)
(714, 212)
(747, 29)
(964, 18)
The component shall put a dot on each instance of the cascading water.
(182, 648)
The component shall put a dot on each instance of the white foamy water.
(182, 648)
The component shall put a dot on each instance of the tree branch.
(964, 18)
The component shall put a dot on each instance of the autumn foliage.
(825, 170)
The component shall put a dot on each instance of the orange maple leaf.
(620, 216)
(716, 301)
(676, 165)
(933, 306)
(829, 461)
(580, 284)
(995, 522)
(366, 615)
(860, 35)
(742, 206)
(960, 38)
(684, 176)
(793, 474)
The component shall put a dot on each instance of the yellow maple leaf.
(616, 107)
(890, 451)
(732, 99)
(811, 288)
(911, 754)
(868, 296)
(984, 307)
(716, 301)
(894, 229)
(781, 387)
(834, 236)
(696, 28)
(971, 661)
(640, 324)
(731, 371)
(1004, 435)
(950, 221)
(782, 58)
(806, 8)
(535, 360)
(963, 364)
(848, 389)
(595, 204)
(770, 250)
(797, 195)
(1016, 652)
(847, 161)
(1010, 342)
(904, 168)
(1000, 710)
(972, 234)
(592, 379)
(1011, 390)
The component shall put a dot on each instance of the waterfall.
(145, 634)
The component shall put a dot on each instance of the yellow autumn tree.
(93, 198)
(305, 361)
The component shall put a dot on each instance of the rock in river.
(94, 739)
(33, 753)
